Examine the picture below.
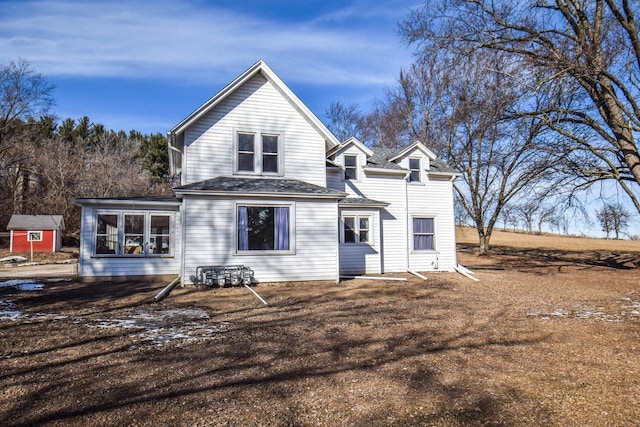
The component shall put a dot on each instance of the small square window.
(34, 236)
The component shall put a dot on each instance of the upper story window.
(414, 168)
(350, 167)
(258, 153)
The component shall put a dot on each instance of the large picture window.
(264, 228)
(133, 234)
(423, 234)
(258, 153)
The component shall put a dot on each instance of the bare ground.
(547, 337)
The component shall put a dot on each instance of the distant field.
(519, 239)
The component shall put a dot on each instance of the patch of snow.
(30, 287)
(161, 327)
(7, 312)
(629, 310)
(23, 284)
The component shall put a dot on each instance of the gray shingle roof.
(249, 185)
(438, 165)
(35, 222)
(381, 156)
(361, 201)
(380, 159)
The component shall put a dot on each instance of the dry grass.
(45, 257)
(520, 239)
(538, 341)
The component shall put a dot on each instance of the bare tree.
(546, 215)
(462, 105)
(613, 218)
(344, 121)
(585, 56)
(24, 96)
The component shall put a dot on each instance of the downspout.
(183, 245)
(337, 240)
(406, 212)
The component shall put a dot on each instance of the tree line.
(44, 163)
(536, 104)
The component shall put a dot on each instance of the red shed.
(43, 231)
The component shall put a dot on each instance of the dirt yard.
(546, 337)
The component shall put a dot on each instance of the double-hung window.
(356, 229)
(133, 233)
(350, 167)
(414, 168)
(423, 234)
(258, 153)
(264, 228)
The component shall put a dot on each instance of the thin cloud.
(192, 42)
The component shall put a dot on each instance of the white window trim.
(40, 233)
(292, 229)
(146, 233)
(257, 152)
(357, 217)
(344, 167)
(435, 233)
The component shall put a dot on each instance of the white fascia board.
(351, 141)
(128, 203)
(420, 146)
(216, 99)
(450, 174)
(363, 205)
(386, 171)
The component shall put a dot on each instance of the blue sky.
(145, 65)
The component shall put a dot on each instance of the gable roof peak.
(352, 140)
(259, 67)
(409, 148)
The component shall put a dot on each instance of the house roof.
(361, 202)
(151, 201)
(351, 141)
(262, 68)
(35, 222)
(409, 148)
(249, 186)
(383, 158)
(380, 159)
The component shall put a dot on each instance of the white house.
(263, 183)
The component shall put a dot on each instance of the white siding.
(384, 188)
(361, 258)
(91, 266)
(255, 106)
(432, 197)
(210, 239)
